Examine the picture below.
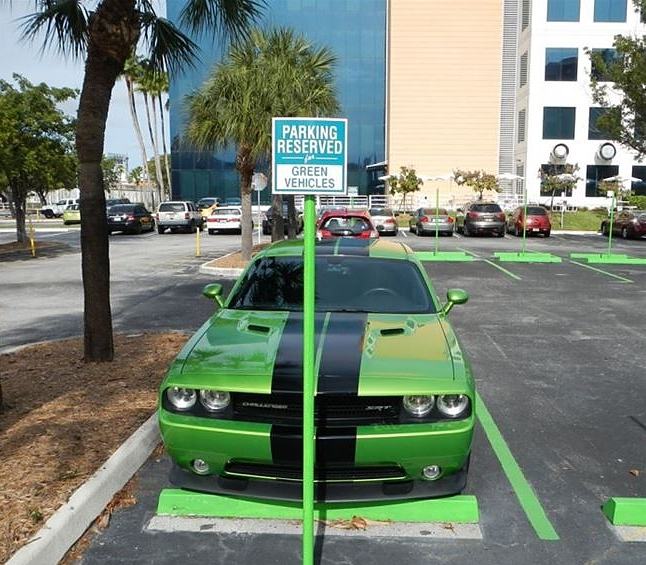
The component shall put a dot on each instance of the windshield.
(355, 224)
(343, 284)
(171, 207)
(225, 212)
(122, 209)
(380, 212)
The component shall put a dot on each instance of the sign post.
(309, 157)
(259, 183)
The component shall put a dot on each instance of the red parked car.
(538, 221)
(347, 223)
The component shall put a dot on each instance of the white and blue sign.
(309, 156)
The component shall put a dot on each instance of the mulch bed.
(63, 418)
(235, 260)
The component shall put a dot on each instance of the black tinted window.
(486, 208)
(172, 207)
(432, 211)
(342, 284)
(121, 209)
(380, 212)
(341, 223)
(536, 211)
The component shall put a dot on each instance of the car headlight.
(181, 398)
(214, 400)
(452, 405)
(419, 406)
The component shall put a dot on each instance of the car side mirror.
(454, 296)
(213, 292)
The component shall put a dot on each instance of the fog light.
(200, 466)
(431, 472)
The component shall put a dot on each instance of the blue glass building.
(355, 30)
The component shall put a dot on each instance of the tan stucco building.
(444, 69)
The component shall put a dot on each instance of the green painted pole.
(437, 219)
(612, 217)
(309, 276)
(524, 244)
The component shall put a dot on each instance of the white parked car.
(225, 218)
(56, 210)
(178, 215)
(384, 220)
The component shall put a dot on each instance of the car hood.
(356, 353)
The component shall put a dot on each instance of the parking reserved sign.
(309, 156)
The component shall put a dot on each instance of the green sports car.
(395, 399)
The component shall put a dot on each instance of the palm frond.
(168, 47)
(228, 18)
(64, 23)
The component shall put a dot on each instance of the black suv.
(481, 217)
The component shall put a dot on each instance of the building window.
(561, 63)
(520, 183)
(526, 10)
(522, 115)
(639, 187)
(523, 69)
(602, 60)
(552, 169)
(594, 131)
(563, 10)
(609, 10)
(595, 174)
(558, 122)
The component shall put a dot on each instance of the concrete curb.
(575, 232)
(71, 520)
(229, 273)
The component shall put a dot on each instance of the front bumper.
(228, 445)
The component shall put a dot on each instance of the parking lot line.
(509, 273)
(524, 492)
(622, 279)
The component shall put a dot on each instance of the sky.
(49, 67)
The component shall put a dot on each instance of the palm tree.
(271, 73)
(131, 74)
(164, 85)
(106, 33)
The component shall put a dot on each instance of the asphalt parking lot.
(558, 354)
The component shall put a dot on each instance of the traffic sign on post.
(309, 157)
(259, 183)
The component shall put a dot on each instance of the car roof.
(373, 248)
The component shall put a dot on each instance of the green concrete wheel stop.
(525, 257)
(455, 256)
(459, 509)
(625, 511)
(609, 258)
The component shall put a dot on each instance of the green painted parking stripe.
(509, 273)
(622, 279)
(524, 492)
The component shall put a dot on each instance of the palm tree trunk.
(135, 122)
(246, 172)
(153, 141)
(166, 160)
(291, 218)
(158, 166)
(277, 222)
(114, 30)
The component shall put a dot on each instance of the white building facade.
(555, 113)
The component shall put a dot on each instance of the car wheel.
(624, 233)
(547, 233)
(48, 214)
(466, 231)
(604, 229)
(160, 230)
(211, 232)
(501, 233)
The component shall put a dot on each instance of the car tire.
(466, 231)
(624, 233)
(547, 233)
(604, 228)
(160, 230)
(501, 233)
(211, 232)
(48, 214)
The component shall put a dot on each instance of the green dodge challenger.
(395, 398)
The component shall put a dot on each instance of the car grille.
(332, 410)
(327, 474)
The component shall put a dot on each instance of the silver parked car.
(384, 220)
(424, 221)
(178, 215)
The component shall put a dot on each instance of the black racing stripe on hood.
(334, 447)
(340, 365)
(354, 246)
(288, 366)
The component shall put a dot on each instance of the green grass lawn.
(585, 220)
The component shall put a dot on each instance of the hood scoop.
(257, 328)
(392, 331)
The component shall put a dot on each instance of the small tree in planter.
(478, 181)
(558, 178)
(406, 183)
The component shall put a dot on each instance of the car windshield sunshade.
(343, 284)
